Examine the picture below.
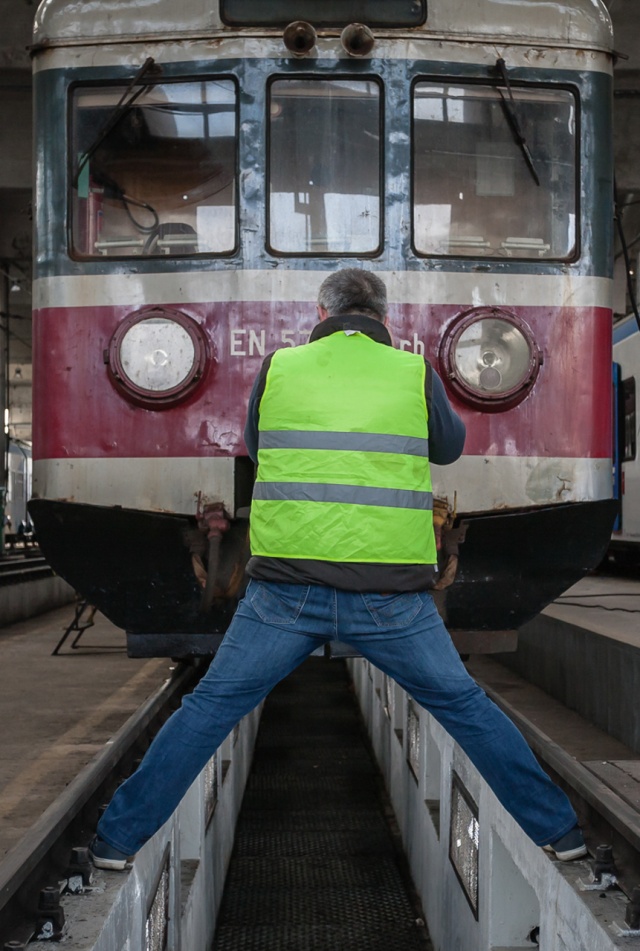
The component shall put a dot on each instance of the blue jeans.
(274, 629)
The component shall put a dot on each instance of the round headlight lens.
(157, 356)
(490, 358)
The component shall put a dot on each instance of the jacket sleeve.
(447, 432)
(253, 410)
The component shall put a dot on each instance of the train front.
(200, 171)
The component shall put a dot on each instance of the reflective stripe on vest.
(343, 467)
(353, 494)
(365, 442)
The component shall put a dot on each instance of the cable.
(121, 109)
(145, 229)
(603, 594)
(576, 604)
(625, 252)
(112, 190)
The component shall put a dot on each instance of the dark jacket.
(446, 441)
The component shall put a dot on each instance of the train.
(624, 548)
(200, 168)
(16, 518)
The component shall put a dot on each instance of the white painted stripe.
(478, 483)
(411, 287)
(486, 483)
(462, 48)
(158, 485)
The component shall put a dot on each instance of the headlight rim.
(485, 400)
(158, 399)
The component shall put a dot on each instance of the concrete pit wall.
(523, 898)
(178, 877)
(18, 602)
(597, 676)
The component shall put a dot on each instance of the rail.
(608, 818)
(31, 873)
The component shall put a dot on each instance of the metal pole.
(4, 403)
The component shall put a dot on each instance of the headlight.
(157, 356)
(490, 358)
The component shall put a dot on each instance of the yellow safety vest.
(343, 455)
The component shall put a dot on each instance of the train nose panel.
(137, 568)
(528, 557)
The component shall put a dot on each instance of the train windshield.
(153, 170)
(324, 181)
(478, 189)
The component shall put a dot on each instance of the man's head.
(353, 291)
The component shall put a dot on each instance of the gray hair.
(353, 290)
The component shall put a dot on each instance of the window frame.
(321, 78)
(112, 83)
(577, 156)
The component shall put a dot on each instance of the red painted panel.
(568, 412)
(79, 413)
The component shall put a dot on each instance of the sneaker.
(104, 855)
(571, 846)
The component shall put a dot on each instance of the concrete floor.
(603, 610)
(607, 604)
(584, 651)
(58, 712)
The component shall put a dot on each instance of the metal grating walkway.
(315, 865)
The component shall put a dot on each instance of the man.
(343, 430)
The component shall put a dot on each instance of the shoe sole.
(569, 855)
(111, 865)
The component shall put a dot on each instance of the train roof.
(572, 23)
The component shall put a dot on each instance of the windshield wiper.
(509, 108)
(120, 110)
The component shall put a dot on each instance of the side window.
(478, 191)
(629, 404)
(324, 167)
(155, 174)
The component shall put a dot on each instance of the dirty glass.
(480, 192)
(464, 840)
(324, 167)
(153, 169)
